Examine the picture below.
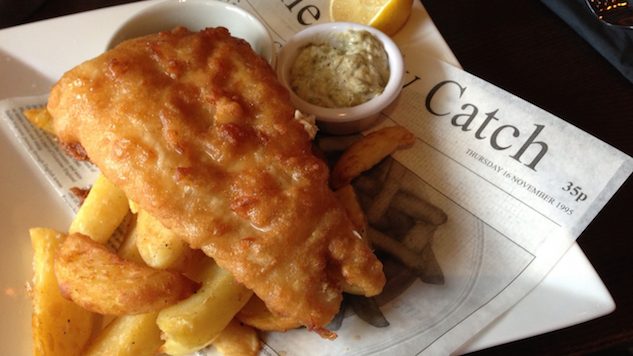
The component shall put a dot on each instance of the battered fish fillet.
(196, 129)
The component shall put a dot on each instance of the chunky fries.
(172, 299)
(367, 152)
(101, 281)
(60, 327)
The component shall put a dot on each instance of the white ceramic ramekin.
(197, 15)
(348, 119)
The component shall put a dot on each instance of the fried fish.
(195, 128)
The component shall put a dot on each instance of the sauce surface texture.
(349, 69)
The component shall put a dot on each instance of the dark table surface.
(527, 50)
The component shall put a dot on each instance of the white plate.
(32, 56)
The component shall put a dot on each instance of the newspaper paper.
(489, 198)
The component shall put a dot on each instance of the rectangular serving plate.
(33, 56)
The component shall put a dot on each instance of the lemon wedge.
(386, 15)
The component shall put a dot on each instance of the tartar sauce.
(349, 69)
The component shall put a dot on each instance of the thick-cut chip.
(128, 335)
(60, 327)
(196, 321)
(419, 236)
(160, 247)
(256, 314)
(238, 340)
(102, 212)
(347, 196)
(367, 152)
(128, 250)
(414, 261)
(41, 118)
(382, 200)
(100, 281)
(419, 209)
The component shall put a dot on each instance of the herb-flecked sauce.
(349, 69)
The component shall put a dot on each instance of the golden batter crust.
(196, 129)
